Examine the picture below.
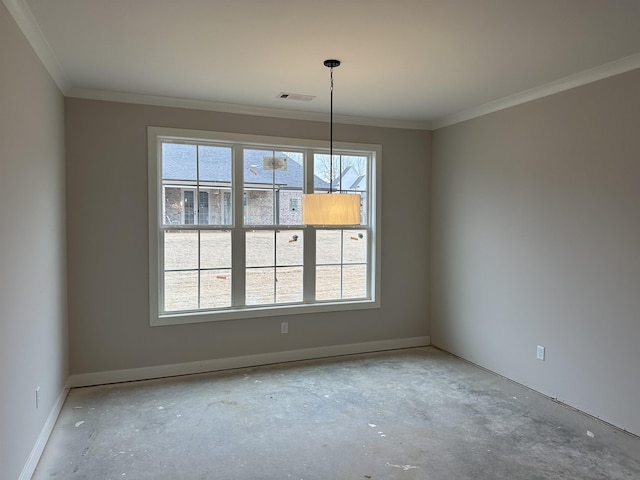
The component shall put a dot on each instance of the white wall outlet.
(37, 397)
(540, 353)
(284, 327)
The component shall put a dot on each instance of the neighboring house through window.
(225, 227)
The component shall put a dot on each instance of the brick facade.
(258, 209)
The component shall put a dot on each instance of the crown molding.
(26, 22)
(22, 15)
(610, 69)
(176, 102)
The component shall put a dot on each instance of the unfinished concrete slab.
(411, 414)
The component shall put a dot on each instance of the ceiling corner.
(22, 15)
(616, 67)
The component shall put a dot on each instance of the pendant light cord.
(331, 140)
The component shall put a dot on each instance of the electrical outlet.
(37, 397)
(540, 353)
(284, 327)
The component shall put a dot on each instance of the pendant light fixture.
(331, 208)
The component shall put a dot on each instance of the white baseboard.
(146, 373)
(38, 448)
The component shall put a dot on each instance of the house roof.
(214, 165)
(350, 179)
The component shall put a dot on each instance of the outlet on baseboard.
(284, 327)
(540, 352)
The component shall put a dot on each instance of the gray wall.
(108, 244)
(536, 241)
(33, 335)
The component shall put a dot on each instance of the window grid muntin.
(342, 263)
(277, 265)
(198, 268)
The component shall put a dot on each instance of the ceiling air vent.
(295, 96)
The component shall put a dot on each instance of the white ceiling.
(420, 63)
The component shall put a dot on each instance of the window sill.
(260, 312)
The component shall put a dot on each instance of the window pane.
(258, 208)
(203, 207)
(259, 188)
(323, 171)
(289, 207)
(353, 179)
(348, 174)
(260, 248)
(289, 179)
(328, 282)
(214, 169)
(260, 286)
(328, 247)
(189, 209)
(272, 179)
(354, 281)
(354, 246)
(172, 205)
(215, 249)
(289, 247)
(179, 172)
(220, 212)
(180, 250)
(179, 162)
(227, 212)
(180, 291)
(354, 174)
(364, 216)
(288, 284)
(215, 288)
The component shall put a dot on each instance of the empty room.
(319, 240)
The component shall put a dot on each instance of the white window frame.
(155, 135)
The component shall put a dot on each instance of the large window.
(225, 227)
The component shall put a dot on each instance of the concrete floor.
(409, 414)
